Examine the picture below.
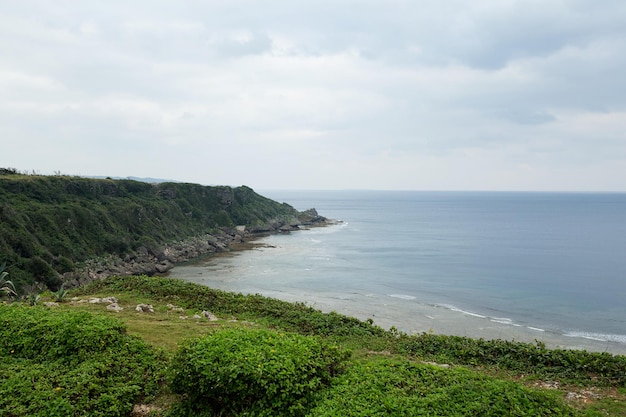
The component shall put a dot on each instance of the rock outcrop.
(153, 261)
(51, 225)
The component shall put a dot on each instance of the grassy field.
(262, 356)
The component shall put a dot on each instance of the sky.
(280, 94)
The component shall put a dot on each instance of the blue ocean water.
(551, 262)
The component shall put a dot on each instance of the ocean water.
(524, 266)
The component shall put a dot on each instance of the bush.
(71, 363)
(388, 387)
(35, 333)
(574, 366)
(63, 265)
(44, 273)
(253, 373)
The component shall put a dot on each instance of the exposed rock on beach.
(153, 261)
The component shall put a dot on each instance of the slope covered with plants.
(257, 356)
(48, 223)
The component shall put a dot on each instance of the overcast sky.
(283, 94)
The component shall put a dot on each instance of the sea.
(548, 267)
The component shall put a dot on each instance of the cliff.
(51, 226)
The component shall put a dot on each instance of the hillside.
(49, 224)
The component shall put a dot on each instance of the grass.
(388, 373)
(163, 329)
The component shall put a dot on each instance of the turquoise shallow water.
(515, 265)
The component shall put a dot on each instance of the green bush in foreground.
(252, 373)
(70, 364)
(388, 387)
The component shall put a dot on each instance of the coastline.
(159, 259)
(386, 312)
(227, 271)
(420, 318)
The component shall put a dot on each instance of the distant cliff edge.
(58, 230)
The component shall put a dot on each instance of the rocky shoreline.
(158, 260)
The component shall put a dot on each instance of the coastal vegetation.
(138, 345)
(49, 225)
(257, 356)
(69, 363)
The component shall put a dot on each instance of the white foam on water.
(458, 310)
(402, 296)
(469, 313)
(502, 320)
(537, 329)
(602, 337)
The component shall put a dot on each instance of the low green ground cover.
(572, 366)
(399, 387)
(72, 363)
(253, 372)
(268, 357)
(296, 317)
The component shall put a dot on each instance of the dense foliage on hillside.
(48, 223)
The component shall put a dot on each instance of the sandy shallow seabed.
(407, 315)
(388, 311)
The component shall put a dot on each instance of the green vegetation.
(71, 363)
(253, 372)
(399, 387)
(536, 361)
(61, 355)
(265, 357)
(572, 366)
(49, 223)
(6, 286)
(296, 317)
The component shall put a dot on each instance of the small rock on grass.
(208, 315)
(173, 308)
(114, 307)
(144, 308)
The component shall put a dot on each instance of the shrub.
(44, 273)
(63, 265)
(574, 366)
(253, 372)
(71, 363)
(59, 295)
(393, 387)
(6, 286)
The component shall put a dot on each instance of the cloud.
(396, 94)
